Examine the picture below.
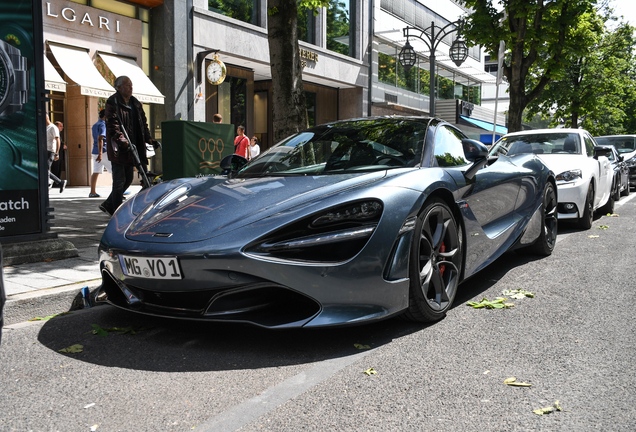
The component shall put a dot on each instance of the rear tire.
(585, 222)
(435, 263)
(627, 189)
(547, 240)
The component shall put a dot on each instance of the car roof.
(615, 136)
(546, 131)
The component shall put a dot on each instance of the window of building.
(340, 27)
(242, 10)
(233, 101)
(306, 25)
(120, 8)
(491, 68)
(310, 99)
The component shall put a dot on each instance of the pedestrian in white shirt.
(254, 148)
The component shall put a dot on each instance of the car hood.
(559, 163)
(198, 210)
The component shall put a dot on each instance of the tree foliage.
(537, 33)
(596, 86)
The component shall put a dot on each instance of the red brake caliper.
(442, 249)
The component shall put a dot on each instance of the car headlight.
(569, 176)
(331, 236)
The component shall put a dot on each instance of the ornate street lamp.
(458, 51)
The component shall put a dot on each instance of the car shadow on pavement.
(161, 344)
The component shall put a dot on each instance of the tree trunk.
(289, 110)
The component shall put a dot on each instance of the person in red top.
(241, 142)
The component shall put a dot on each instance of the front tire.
(608, 208)
(585, 222)
(435, 263)
(547, 240)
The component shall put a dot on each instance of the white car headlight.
(569, 176)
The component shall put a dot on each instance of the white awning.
(143, 88)
(78, 66)
(52, 80)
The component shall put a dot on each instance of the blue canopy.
(486, 125)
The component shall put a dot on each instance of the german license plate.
(150, 268)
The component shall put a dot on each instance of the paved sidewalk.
(78, 220)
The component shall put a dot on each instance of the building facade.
(349, 53)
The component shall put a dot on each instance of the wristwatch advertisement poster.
(19, 171)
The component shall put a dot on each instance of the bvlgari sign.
(77, 24)
(69, 15)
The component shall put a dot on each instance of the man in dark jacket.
(124, 111)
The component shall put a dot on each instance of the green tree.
(537, 34)
(591, 90)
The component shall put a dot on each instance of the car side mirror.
(474, 150)
(602, 151)
(232, 164)
(477, 153)
(621, 158)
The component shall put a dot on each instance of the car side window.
(449, 150)
(589, 145)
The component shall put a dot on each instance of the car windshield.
(623, 144)
(354, 146)
(552, 143)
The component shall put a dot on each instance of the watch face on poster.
(216, 72)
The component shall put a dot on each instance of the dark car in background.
(626, 147)
(620, 184)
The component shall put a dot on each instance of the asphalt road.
(575, 342)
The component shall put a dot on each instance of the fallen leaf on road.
(602, 227)
(497, 303)
(512, 381)
(593, 236)
(101, 331)
(548, 410)
(518, 293)
(361, 347)
(612, 215)
(370, 372)
(77, 348)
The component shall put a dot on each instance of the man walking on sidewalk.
(124, 117)
(53, 151)
(100, 160)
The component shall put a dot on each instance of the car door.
(603, 167)
(490, 195)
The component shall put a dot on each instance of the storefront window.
(340, 18)
(242, 10)
(310, 99)
(232, 101)
(306, 25)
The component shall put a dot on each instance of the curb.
(46, 302)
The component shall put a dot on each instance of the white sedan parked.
(583, 172)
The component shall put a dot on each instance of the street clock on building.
(216, 71)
